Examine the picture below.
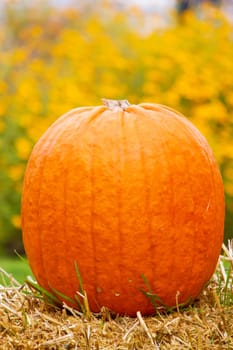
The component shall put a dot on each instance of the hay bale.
(28, 321)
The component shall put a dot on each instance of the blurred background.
(57, 55)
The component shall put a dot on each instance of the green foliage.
(15, 267)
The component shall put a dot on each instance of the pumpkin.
(132, 195)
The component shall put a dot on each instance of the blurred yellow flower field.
(52, 60)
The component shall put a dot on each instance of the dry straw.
(27, 321)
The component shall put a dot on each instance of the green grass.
(17, 267)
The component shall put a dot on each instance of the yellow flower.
(36, 31)
(3, 87)
(19, 56)
(2, 126)
(23, 147)
(15, 172)
(16, 221)
(214, 110)
(229, 171)
(3, 108)
(229, 188)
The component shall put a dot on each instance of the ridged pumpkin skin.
(123, 192)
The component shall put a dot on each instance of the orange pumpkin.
(124, 191)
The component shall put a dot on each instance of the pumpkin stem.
(115, 104)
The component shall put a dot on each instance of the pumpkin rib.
(40, 239)
(72, 114)
(92, 215)
(187, 276)
(81, 124)
(36, 238)
(57, 133)
(96, 113)
(202, 143)
(167, 165)
(65, 231)
(144, 115)
(214, 180)
(148, 192)
(197, 140)
(193, 144)
(95, 158)
(44, 143)
(121, 150)
(132, 144)
(159, 108)
(80, 118)
(76, 124)
(166, 128)
(90, 127)
(122, 260)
